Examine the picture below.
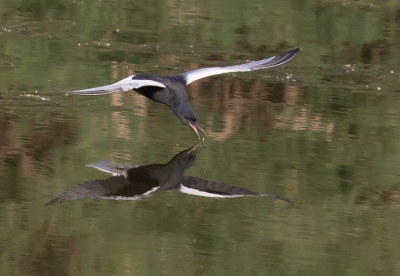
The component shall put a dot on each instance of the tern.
(171, 90)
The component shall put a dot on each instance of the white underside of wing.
(190, 191)
(123, 85)
(194, 75)
(113, 168)
(121, 197)
(277, 60)
(151, 191)
(137, 197)
(205, 72)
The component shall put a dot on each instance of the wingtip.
(286, 56)
(294, 52)
(54, 201)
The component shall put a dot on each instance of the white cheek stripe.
(191, 191)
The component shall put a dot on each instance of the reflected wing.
(123, 85)
(208, 188)
(111, 167)
(194, 75)
(115, 187)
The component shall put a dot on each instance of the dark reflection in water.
(131, 182)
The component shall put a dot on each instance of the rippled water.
(323, 131)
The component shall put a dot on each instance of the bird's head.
(185, 159)
(189, 117)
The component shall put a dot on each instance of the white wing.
(121, 86)
(194, 75)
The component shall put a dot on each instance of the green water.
(323, 130)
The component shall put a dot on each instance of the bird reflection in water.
(131, 182)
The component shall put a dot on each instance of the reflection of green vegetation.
(334, 150)
(243, 30)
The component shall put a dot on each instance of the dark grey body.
(174, 95)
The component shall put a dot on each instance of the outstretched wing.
(208, 188)
(194, 75)
(126, 84)
(115, 187)
(92, 189)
